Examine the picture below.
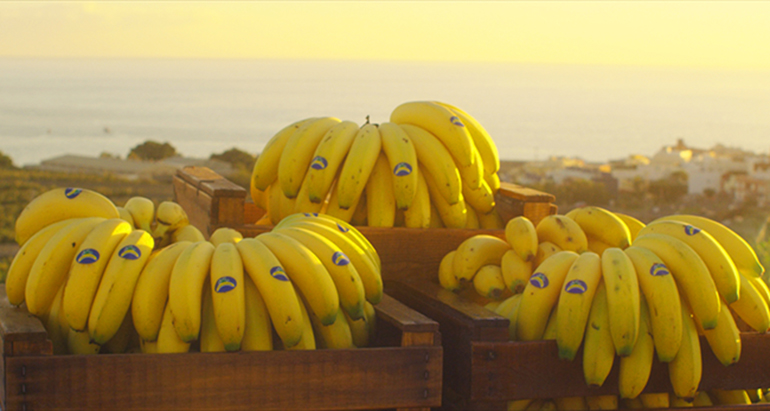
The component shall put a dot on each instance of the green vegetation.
(152, 150)
(242, 162)
(6, 162)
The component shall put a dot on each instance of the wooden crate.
(401, 370)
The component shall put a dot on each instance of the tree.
(6, 162)
(152, 150)
(237, 158)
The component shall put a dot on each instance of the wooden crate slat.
(322, 379)
(210, 182)
(17, 324)
(403, 317)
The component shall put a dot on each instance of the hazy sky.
(730, 34)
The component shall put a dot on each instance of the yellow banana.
(298, 153)
(633, 224)
(662, 297)
(380, 197)
(545, 249)
(570, 403)
(751, 307)
(435, 219)
(151, 292)
(61, 204)
(516, 272)
(276, 290)
(56, 325)
(227, 294)
(446, 275)
(686, 369)
(266, 167)
(744, 257)
(87, 269)
(725, 338)
(541, 293)
(441, 122)
(418, 213)
(476, 252)
(142, 210)
(761, 287)
(225, 235)
(434, 158)
(402, 161)
(210, 341)
(308, 340)
(169, 217)
(338, 264)
(602, 402)
(550, 327)
(360, 328)
(303, 202)
(121, 341)
(359, 215)
(562, 231)
(509, 308)
(488, 282)
(185, 291)
(327, 159)
(702, 399)
(49, 271)
(189, 233)
(78, 342)
(307, 273)
(602, 224)
(333, 207)
(168, 339)
(113, 297)
(596, 245)
(598, 348)
(693, 278)
(336, 335)
(491, 220)
(18, 272)
(522, 236)
(574, 303)
(622, 289)
(720, 265)
(258, 334)
(655, 400)
(472, 219)
(481, 139)
(358, 165)
(635, 368)
(493, 181)
(472, 175)
(481, 198)
(729, 397)
(125, 215)
(452, 215)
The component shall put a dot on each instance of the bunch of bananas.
(431, 165)
(620, 289)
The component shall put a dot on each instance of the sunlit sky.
(726, 34)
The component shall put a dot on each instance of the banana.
(258, 334)
(435, 219)
(78, 342)
(227, 294)
(635, 368)
(308, 340)
(265, 170)
(336, 335)
(189, 233)
(327, 159)
(210, 340)
(481, 198)
(541, 293)
(596, 245)
(125, 215)
(169, 217)
(491, 221)
(185, 290)
(562, 231)
(720, 265)
(168, 339)
(359, 329)
(87, 268)
(655, 400)
(602, 224)
(574, 303)
(633, 224)
(361, 211)
(434, 158)
(472, 175)
(280, 206)
(481, 139)
(402, 159)
(120, 342)
(307, 273)
(729, 397)
(522, 236)
(61, 204)
(439, 121)
(333, 208)
(49, 271)
(343, 273)
(18, 272)
(751, 307)
(692, 277)
(570, 403)
(358, 165)
(622, 289)
(736, 247)
(686, 369)
(56, 325)
(418, 213)
(702, 399)
(446, 275)
(451, 215)
(488, 282)
(725, 338)
(633, 403)
(113, 297)
(550, 327)
(509, 308)
(676, 402)
(472, 219)
(298, 153)
(761, 287)
(276, 289)
(380, 197)
(598, 348)
(225, 235)
(662, 297)
(544, 250)
(493, 181)
(142, 210)
(148, 347)
(303, 203)
(515, 271)
(151, 291)
(258, 197)
(476, 252)
(363, 259)
(602, 402)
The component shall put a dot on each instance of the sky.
(716, 34)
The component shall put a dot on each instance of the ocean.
(50, 107)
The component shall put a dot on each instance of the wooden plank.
(520, 370)
(404, 318)
(17, 324)
(525, 194)
(210, 182)
(199, 206)
(369, 378)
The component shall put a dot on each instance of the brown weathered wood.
(519, 370)
(403, 317)
(199, 206)
(210, 182)
(281, 380)
(17, 324)
(525, 193)
(251, 213)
